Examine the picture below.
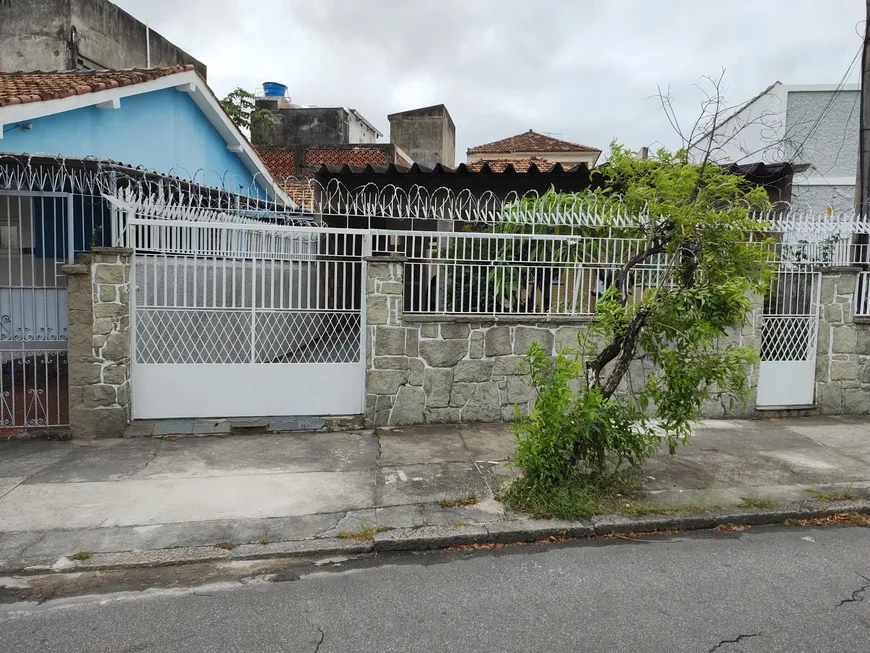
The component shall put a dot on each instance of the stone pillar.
(842, 381)
(99, 361)
(390, 374)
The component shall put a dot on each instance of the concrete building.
(532, 145)
(294, 124)
(51, 35)
(428, 135)
(812, 127)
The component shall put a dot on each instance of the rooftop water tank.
(274, 89)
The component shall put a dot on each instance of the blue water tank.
(274, 89)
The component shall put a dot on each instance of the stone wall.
(99, 367)
(843, 357)
(462, 370)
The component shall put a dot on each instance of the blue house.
(69, 140)
(165, 120)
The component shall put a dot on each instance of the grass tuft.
(82, 555)
(226, 546)
(827, 497)
(365, 533)
(756, 501)
(265, 540)
(460, 501)
(581, 497)
(458, 523)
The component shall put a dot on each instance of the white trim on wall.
(188, 82)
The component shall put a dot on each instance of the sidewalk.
(146, 494)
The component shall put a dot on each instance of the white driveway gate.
(246, 320)
(789, 334)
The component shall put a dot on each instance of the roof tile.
(21, 88)
(519, 164)
(530, 141)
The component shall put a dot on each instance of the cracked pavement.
(768, 589)
(143, 494)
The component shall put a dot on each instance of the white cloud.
(584, 70)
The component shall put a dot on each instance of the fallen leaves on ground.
(632, 535)
(724, 528)
(840, 519)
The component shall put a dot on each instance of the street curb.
(441, 537)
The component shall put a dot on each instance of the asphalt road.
(760, 590)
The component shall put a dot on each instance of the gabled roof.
(26, 96)
(530, 141)
(519, 164)
(23, 88)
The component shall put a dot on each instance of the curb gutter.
(439, 537)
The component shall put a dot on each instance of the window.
(10, 240)
(16, 224)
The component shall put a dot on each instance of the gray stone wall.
(99, 368)
(461, 370)
(843, 357)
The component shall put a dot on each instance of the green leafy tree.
(700, 269)
(240, 106)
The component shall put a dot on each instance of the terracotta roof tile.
(357, 156)
(520, 165)
(300, 192)
(280, 163)
(22, 88)
(530, 141)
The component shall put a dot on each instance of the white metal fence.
(862, 295)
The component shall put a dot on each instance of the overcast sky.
(580, 70)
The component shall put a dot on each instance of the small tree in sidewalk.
(694, 222)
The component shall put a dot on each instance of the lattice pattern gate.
(256, 321)
(789, 336)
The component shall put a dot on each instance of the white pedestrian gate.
(246, 320)
(789, 335)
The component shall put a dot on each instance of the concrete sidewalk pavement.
(146, 494)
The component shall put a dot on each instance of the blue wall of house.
(162, 130)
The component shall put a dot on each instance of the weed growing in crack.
(265, 540)
(459, 501)
(82, 555)
(756, 501)
(226, 546)
(828, 497)
(458, 523)
(365, 533)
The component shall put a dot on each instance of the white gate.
(238, 320)
(789, 335)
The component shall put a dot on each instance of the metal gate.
(246, 320)
(789, 336)
(35, 241)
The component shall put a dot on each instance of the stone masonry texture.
(463, 371)
(843, 356)
(99, 299)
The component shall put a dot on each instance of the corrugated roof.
(461, 169)
(26, 87)
(530, 141)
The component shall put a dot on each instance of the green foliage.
(703, 248)
(578, 497)
(239, 105)
(567, 432)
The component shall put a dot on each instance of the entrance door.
(228, 336)
(789, 333)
